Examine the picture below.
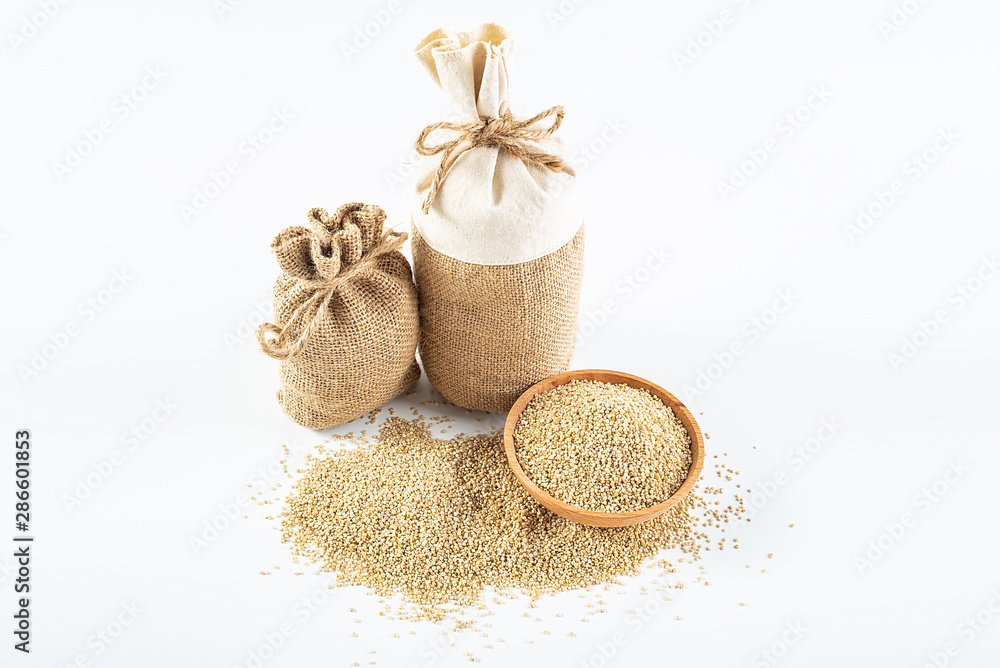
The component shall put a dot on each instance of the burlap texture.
(489, 332)
(346, 317)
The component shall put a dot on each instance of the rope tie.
(279, 347)
(503, 131)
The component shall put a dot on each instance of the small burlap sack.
(498, 240)
(347, 319)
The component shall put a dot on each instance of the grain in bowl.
(604, 447)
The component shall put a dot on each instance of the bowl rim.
(594, 517)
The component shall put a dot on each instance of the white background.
(671, 133)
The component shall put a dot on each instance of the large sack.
(498, 240)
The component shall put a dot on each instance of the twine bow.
(281, 347)
(503, 131)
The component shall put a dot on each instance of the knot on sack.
(325, 259)
(504, 131)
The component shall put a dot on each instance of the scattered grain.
(437, 521)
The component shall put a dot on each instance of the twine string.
(281, 347)
(504, 131)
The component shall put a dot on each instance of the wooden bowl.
(593, 517)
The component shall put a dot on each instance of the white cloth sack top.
(492, 208)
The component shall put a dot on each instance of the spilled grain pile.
(438, 521)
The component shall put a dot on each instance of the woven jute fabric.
(347, 322)
(489, 332)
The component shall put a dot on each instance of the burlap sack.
(498, 239)
(347, 319)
